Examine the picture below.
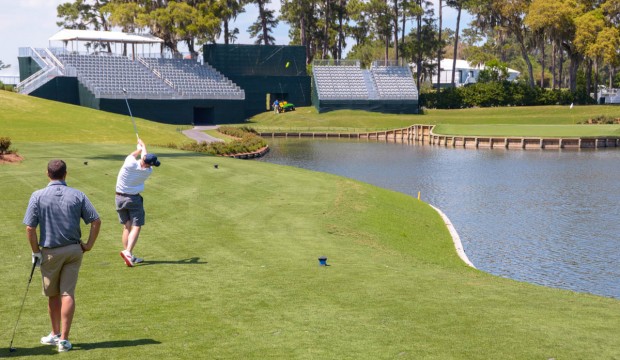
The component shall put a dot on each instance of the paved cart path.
(197, 134)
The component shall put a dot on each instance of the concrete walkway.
(197, 134)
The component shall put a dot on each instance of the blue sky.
(26, 23)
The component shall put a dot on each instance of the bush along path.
(246, 144)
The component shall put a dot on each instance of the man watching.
(57, 210)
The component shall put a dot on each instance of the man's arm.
(136, 152)
(92, 236)
(31, 232)
(140, 149)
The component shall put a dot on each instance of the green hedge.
(247, 141)
(500, 94)
(5, 145)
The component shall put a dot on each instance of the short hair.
(56, 169)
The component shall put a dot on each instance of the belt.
(56, 247)
(123, 194)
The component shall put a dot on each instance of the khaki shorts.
(59, 269)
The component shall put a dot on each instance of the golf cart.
(285, 106)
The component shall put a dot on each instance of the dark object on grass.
(323, 261)
(216, 166)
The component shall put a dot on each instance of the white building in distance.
(465, 73)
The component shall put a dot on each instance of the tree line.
(552, 42)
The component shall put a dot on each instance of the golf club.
(34, 264)
(135, 129)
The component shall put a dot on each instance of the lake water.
(549, 217)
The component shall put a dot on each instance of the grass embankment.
(514, 121)
(27, 118)
(231, 270)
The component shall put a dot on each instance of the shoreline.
(456, 239)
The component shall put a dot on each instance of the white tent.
(110, 37)
(105, 36)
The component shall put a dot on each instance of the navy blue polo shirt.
(57, 209)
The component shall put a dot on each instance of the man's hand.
(36, 258)
(92, 237)
(86, 247)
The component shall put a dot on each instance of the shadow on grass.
(115, 344)
(51, 350)
(189, 261)
(35, 351)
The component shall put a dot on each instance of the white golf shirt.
(132, 176)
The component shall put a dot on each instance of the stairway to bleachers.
(108, 75)
(370, 85)
(193, 79)
(394, 82)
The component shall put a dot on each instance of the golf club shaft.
(34, 265)
(135, 129)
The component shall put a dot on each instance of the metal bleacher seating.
(193, 79)
(394, 82)
(340, 82)
(108, 75)
(350, 82)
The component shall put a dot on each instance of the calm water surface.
(546, 217)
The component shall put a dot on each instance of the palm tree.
(262, 28)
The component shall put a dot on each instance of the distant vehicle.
(285, 106)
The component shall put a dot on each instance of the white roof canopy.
(105, 36)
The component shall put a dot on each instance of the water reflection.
(546, 217)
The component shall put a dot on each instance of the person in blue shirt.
(57, 210)
(276, 106)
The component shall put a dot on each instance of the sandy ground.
(10, 159)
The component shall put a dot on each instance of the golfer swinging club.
(129, 202)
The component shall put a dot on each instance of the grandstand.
(228, 85)
(343, 84)
(108, 75)
(394, 82)
(193, 79)
(166, 90)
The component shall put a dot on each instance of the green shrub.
(450, 98)
(502, 93)
(601, 119)
(5, 145)
(247, 141)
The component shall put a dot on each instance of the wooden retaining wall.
(424, 134)
(256, 154)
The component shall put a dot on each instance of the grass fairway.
(231, 270)
(545, 131)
